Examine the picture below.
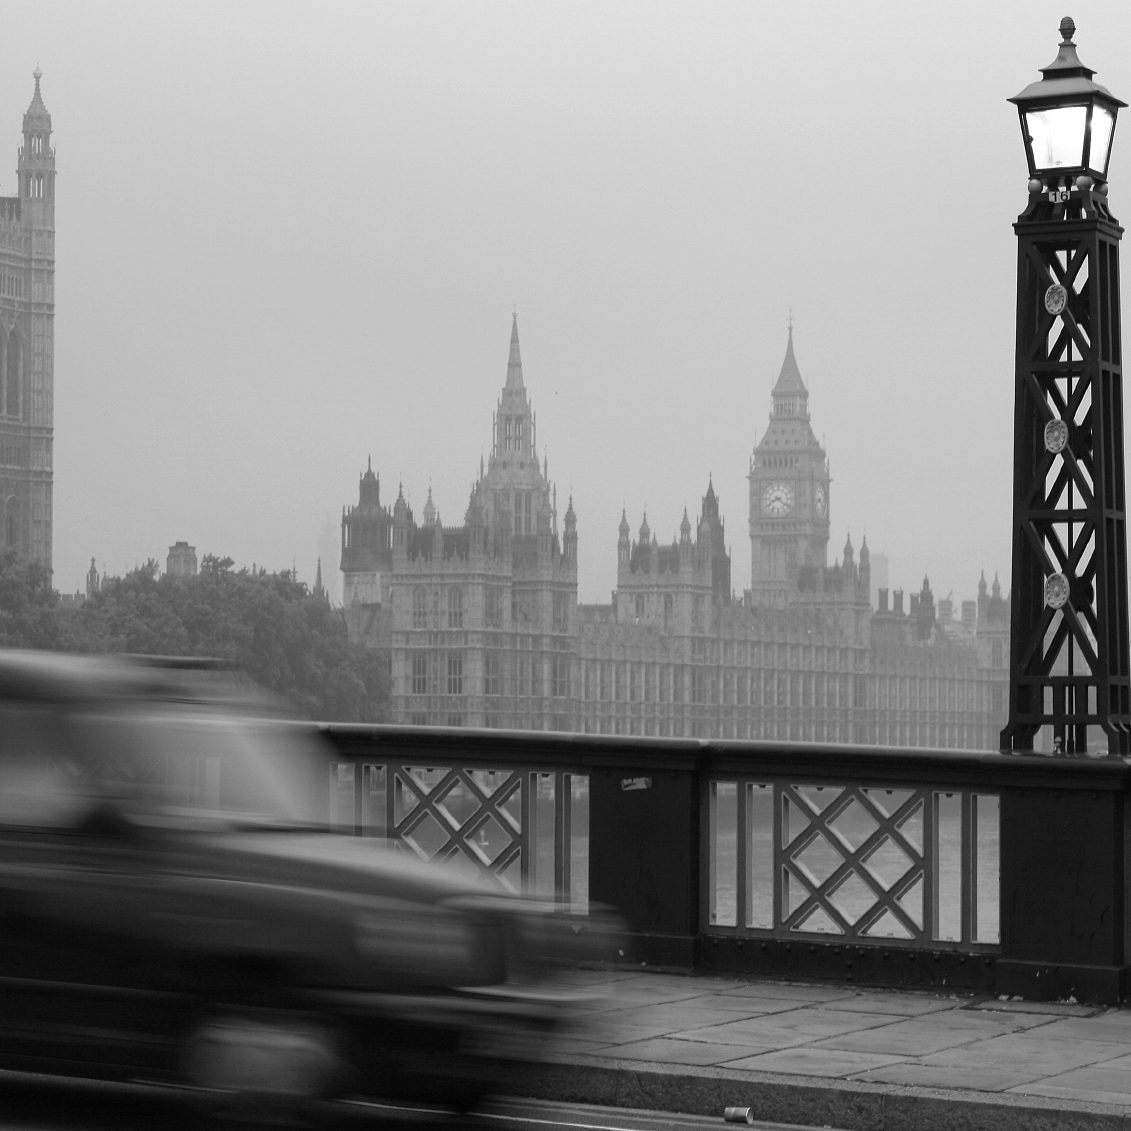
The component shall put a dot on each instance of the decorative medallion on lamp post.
(1069, 664)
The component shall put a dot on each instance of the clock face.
(777, 499)
(1056, 590)
(820, 501)
(1055, 298)
(1056, 436)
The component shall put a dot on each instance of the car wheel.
(246, 1062)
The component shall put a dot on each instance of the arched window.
(12, 376)
(11, 523)
(420, 607)
(455, 607)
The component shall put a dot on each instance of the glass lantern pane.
(1103, 125)
(1056, 136)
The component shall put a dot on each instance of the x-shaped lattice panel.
(851, 864)
(453, 814)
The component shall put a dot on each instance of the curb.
(839, 1104)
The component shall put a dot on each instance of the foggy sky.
(290, 238)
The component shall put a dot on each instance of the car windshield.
(188, 766)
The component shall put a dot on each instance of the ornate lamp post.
(1069, 663)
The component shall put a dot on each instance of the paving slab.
(810, 1060)
(1043, 1055)
(792, 1027)
(907, 1005)
(793, 991)
(1111, 1025)
(986, 1077)
(921, 1036)
(1049, 1008)
(1103, 1084)
(668, 1050)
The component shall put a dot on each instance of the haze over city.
(291, 237)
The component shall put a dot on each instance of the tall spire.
(789, 379)
(514, 362)
(36, 117)
(514, 420)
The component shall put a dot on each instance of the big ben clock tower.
(789, 495)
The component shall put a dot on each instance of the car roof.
(30, 675)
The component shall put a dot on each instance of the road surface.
(29, 1103)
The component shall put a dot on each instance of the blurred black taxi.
(172, 907)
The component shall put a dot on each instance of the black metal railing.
(916, 865)
(892, 866)
(525, 825)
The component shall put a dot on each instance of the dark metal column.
(1069, 623)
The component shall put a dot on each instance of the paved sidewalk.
(842, 1057)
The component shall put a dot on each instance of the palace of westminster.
(482, 625)
(481, 622)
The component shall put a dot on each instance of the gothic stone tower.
(27, 365)
(789, 494)
(516, 503)
(479, 620)
(367, 562)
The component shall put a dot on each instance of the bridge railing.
(889, 866)
(915, 864)
(523, 824)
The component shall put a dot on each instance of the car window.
(152, 763)
(166, 764)
(39, 783)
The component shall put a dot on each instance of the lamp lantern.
(1067, 121)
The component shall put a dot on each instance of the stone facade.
(27, 338)
(482, 626)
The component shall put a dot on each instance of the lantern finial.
(1067, 31)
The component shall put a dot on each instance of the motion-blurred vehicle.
(172, 907)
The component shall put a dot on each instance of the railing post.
(644, 837)
(1064, 874)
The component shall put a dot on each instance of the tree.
(266, 624)
(132, 614)
(27, 605)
